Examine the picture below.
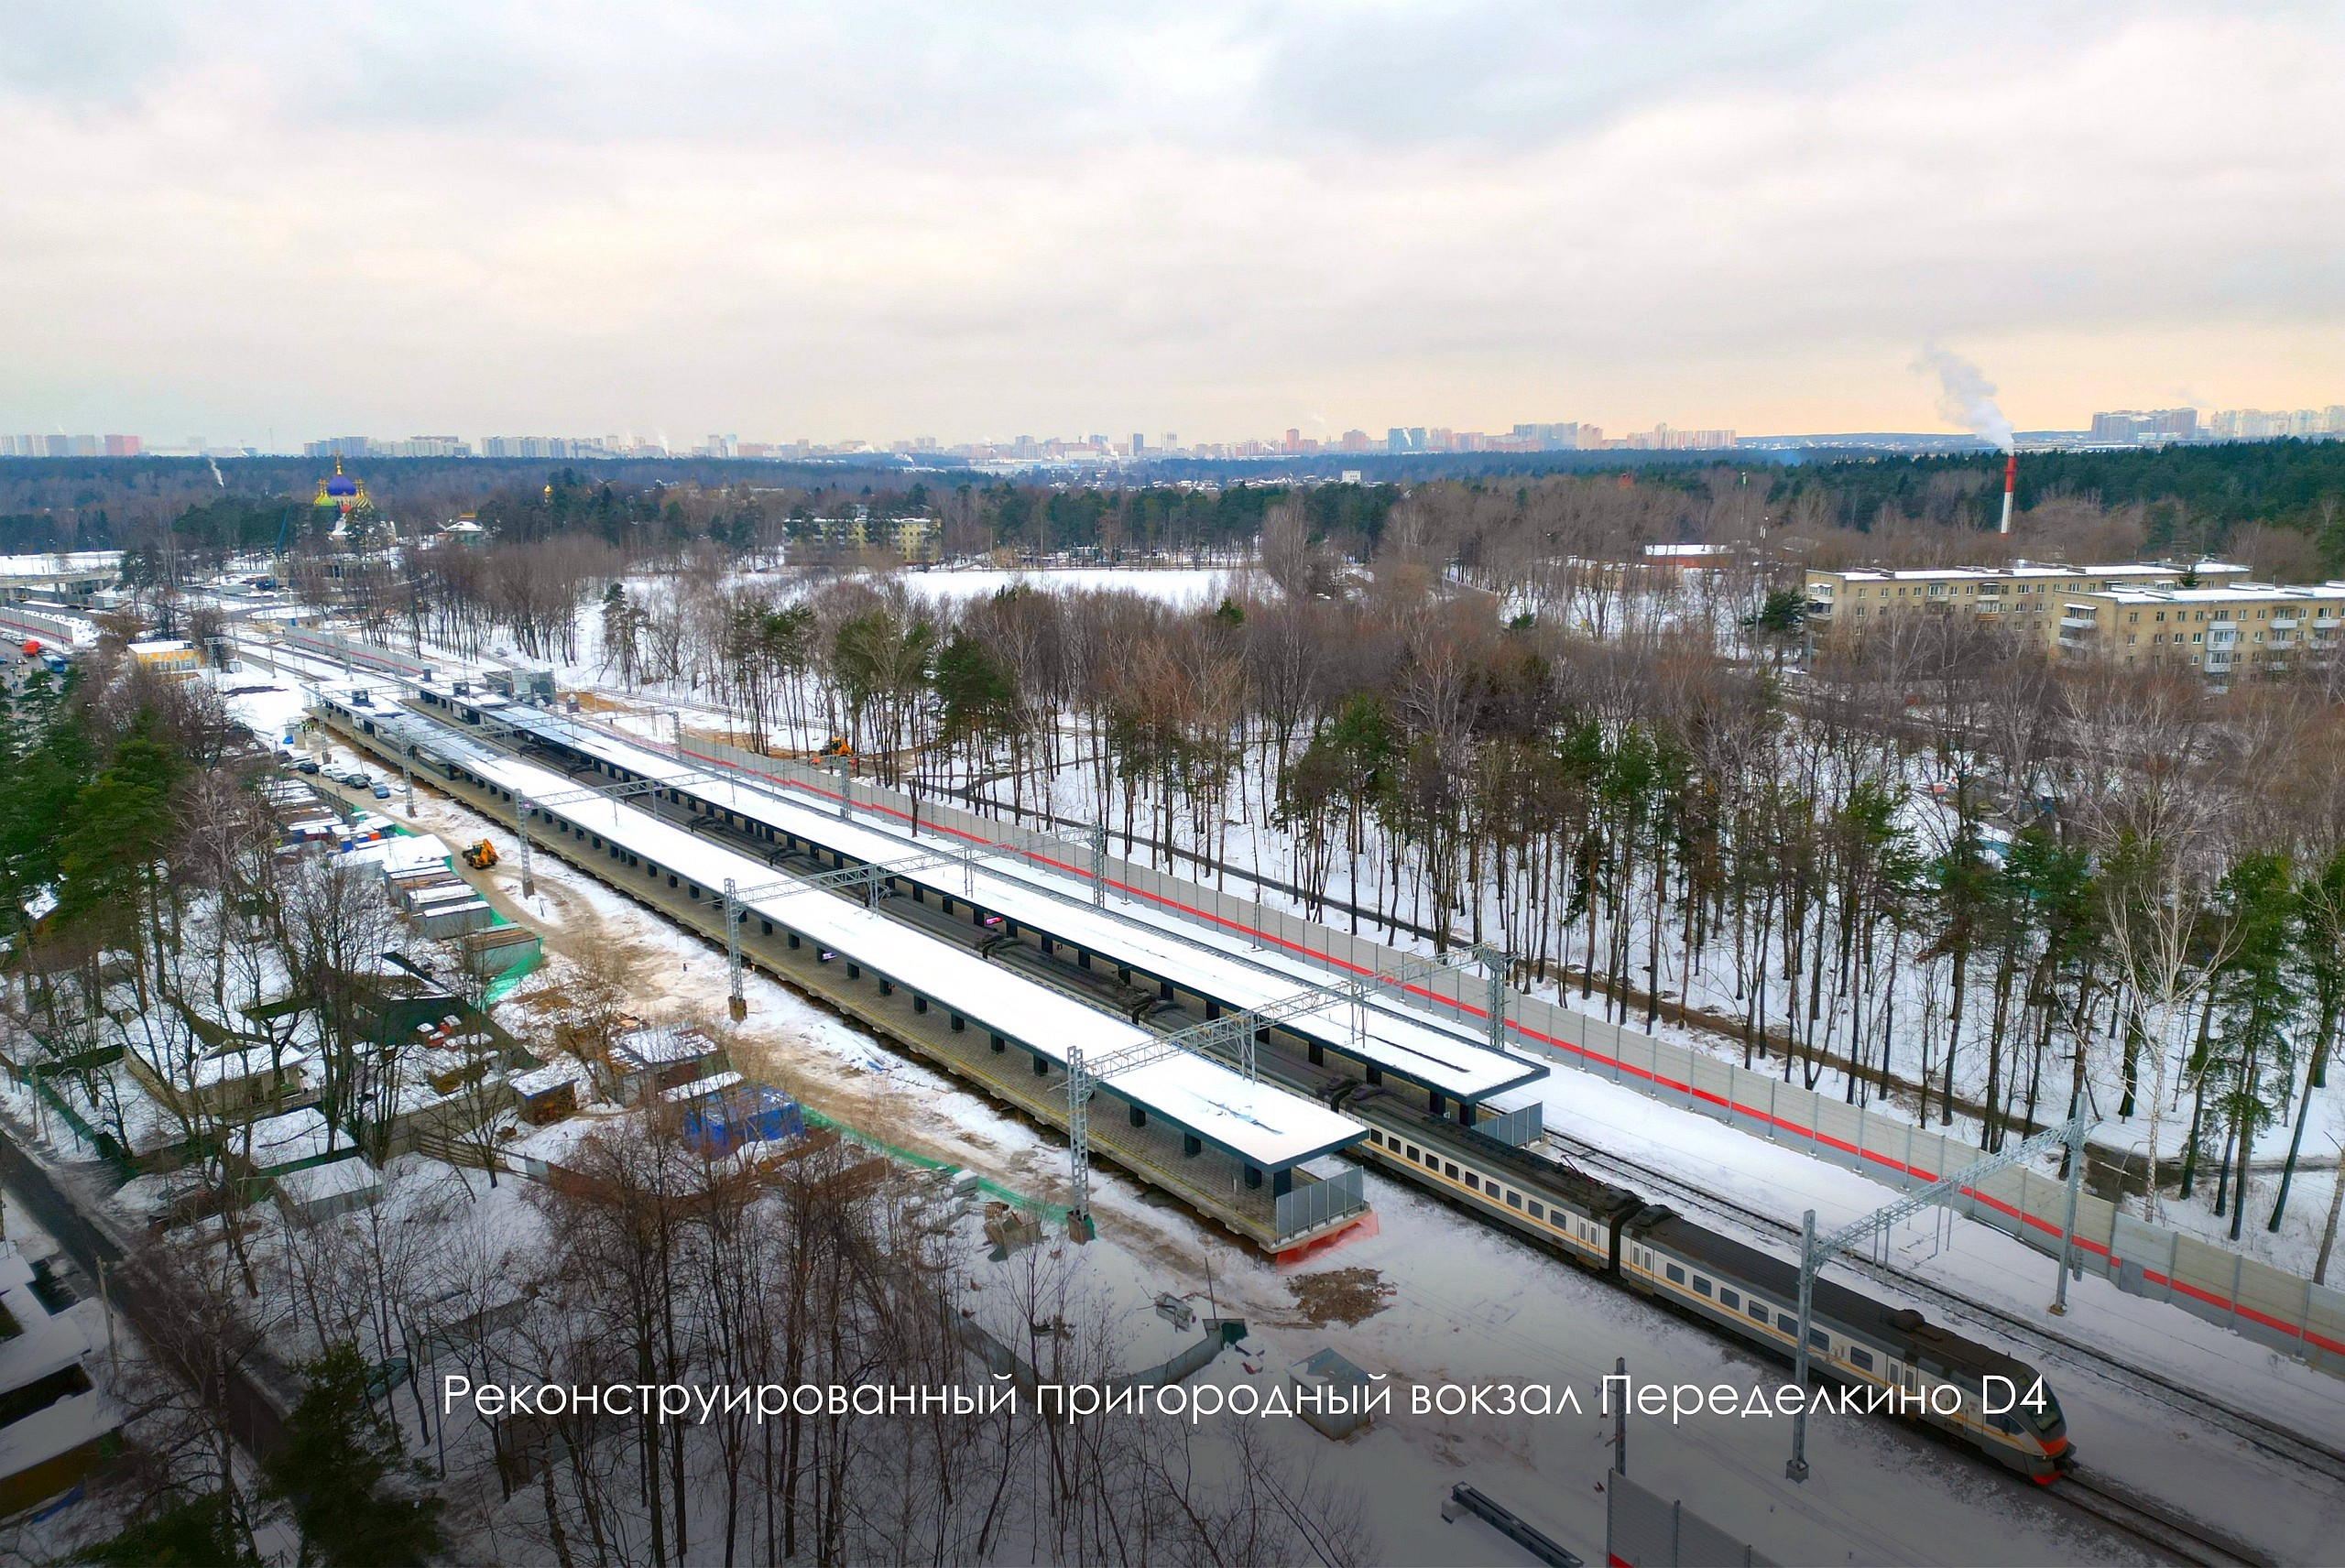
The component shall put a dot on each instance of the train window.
(1701, 1286)
(1819, 1339)
(1863, 1358)
(1676, 1274)
(1374, 1136)
(1759, 1311)
(1413, 1152)
(1787, 1323)
(1473, 1181)
(1729, 1299)
(1514, 1199)
(1450, 1170)
(1537, 1212)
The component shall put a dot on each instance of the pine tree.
(194, 1532)
(339, 1454)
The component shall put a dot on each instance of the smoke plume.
(1966, 397)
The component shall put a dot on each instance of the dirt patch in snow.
(1341, 1295)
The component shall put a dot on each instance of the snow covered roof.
(552, 1075)
(1260, 1123)
(2242, 594)
(314, 1184)
(702, 1088)
(661, 1045)
(551, 1143)
(45, 1343)
(1414, 1045)
(287, 1139)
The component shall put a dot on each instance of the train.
(1943, 1379)
(1732, 1289)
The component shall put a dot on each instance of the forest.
(2279, 496)
(148, 913)
(1926, 866)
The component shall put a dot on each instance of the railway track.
(2266, 1435)
(2106, 1503)
(2186, 1541)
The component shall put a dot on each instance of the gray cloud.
(802, 220)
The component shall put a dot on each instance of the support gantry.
(1873, 1229)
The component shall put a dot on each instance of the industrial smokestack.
(2011, 481)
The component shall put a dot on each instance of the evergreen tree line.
(1931, 866)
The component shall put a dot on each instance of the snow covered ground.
(1182, 586)
(1470, 1304)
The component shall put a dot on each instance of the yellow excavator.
(480, 857)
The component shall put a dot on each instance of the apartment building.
(170, 659)
(2246, 629)
(2025, 596)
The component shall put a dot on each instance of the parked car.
(307, 764)
(382, 789)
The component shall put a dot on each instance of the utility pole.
(1620, 1418)
(736, 1004)
(2068, 1226)
(1078, 1146)
(521, 832)
(106, 1300)
(1494, 997)
(1797, 1468)
(1099, 864)
(407, 782)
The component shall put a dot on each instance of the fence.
(343, 649)
(1307, 1208)
(1641, 1531)
(16, 619)
(2285, 1312)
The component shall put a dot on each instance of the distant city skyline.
(2106, 428)
(1214, 218)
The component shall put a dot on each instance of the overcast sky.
(879, 220)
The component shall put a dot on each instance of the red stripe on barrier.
(2082, 1243)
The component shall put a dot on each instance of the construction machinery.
(480, 857)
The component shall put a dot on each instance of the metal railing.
(1307, 1208)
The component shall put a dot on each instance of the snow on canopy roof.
(1258, 1122)
(1420, 1048)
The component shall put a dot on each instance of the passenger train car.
(1734, 1288)
(1938, 1378)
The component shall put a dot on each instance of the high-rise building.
(1354, 440)
(1139, 444)
(2129, 427)
(1293, 441)
(123, 446)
